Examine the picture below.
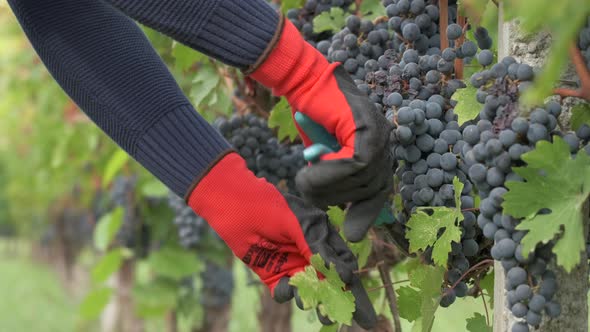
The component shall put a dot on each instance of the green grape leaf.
(154, 188)
(487, 284)
(467, 106)
(427, 280)
(185, 57)
(330, 328)
(580, 116)
(336, 216)
(281, 117)
(337, 304)
(424, 228)
(106, 228)
(409, 302)
(108, 264)
(155, 298)
(371, 9)
(204, 83)
(556, 182)
(332, 20)
(477, 323)
(289, 4)
(174, 263)
(114, 165)
(94, 303)
(361, 250)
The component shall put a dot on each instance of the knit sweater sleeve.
(105, 63)
(233, 31)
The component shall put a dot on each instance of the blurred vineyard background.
(65, 188)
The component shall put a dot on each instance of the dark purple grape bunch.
(265, 156)
(303, 18)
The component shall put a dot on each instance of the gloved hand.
(362, 171)
(275, 235)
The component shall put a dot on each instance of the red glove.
(274, 235)
(362, 171)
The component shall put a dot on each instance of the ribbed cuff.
(292, 67)
(235, 32)
(179, 148)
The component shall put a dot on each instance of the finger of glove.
(323, 319)
(338, 197)
(351, 182)
(362, 214)
(337, 253)
(370, 176)
(321, 238)
(364, 313)
(326, 173)
(284, 292)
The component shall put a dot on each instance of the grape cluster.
(133, 233)
(265, 156)
(416, 25)
(360, 47)
(217, 286)
(495, 144)
(191, 227)
(302, 18)
(584, 42)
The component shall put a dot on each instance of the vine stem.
(583, 73)
(388, 285)
(367, 269)
(473, 268)
(383, 286)
(461, 20)
(485, 306)
(444, 23)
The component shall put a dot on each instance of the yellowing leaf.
(337, 303)
(424, 228)
(554, 181)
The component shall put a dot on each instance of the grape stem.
(485, 306)
(388, 284)
(443, 23)
(383, 286)
(367, 269)
(583, 73)
(484, 263)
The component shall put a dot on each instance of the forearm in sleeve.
(107, 66)
(237, 32)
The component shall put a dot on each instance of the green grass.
(33, 299)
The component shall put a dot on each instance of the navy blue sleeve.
(108, 67)
(234, 31)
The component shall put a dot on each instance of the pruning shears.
(325, 143)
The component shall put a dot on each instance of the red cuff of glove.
(253, 218)
(298, 71)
